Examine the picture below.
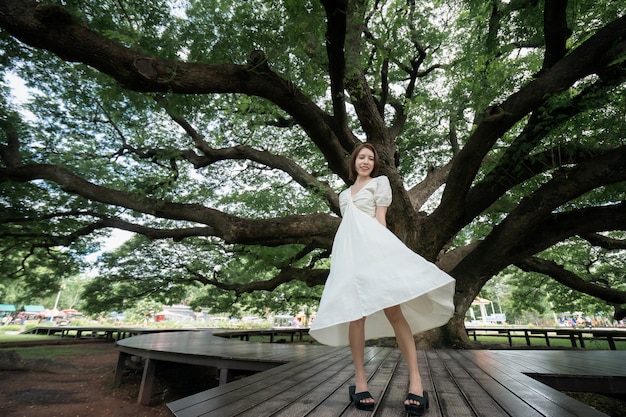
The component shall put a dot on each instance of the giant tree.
(500, 125)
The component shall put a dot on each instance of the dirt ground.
(81, 384)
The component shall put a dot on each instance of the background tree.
(500, 126)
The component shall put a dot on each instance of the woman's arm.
(381, 215)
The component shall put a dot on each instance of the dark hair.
(355, 153)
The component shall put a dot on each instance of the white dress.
(371, 269)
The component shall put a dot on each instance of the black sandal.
(357, 399)
(416, 410)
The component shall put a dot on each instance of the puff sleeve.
(382, 195)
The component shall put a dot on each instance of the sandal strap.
(413, 397)
(362, 396)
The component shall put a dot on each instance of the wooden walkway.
(109, 333)
(203, 348)
(314, 380)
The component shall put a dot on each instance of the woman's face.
(364, 163)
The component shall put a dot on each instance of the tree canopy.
(220, 132)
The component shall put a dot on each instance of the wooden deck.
(203, 348)
(460, 383)
(301, 380)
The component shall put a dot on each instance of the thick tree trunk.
(452, 335)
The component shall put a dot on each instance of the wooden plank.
(379, 384)
(392, 403)
(581, 371)
(450, 400)
(328, 387)
(495, 394)
(258, 395)
(597, 362)
(281, 393)
(119, 369)
(147, 380)
(522, 362)
(327, 393)
(460, 383)
(222, 396)
(527, 395)
(314, 357)
(468, 384)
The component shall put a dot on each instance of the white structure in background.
(485, 318)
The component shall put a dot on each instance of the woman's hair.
(355, 153)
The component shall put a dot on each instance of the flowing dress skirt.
(371, 269)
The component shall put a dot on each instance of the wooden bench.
(576, 336)
(109, 333)
(509, 333)
(611, 335)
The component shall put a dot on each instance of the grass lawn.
(4, 337)
(48, 352)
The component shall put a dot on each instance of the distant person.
(377, 287)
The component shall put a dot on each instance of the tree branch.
(317, 229)
(435, 178)
(10, 153)
(530, 219)
(517, 165)
(311, 277)
(52, 28)
(555, 32)
(241, 152)
(590, 57)
(361, 95)
(335, 39)
(605, 242)
(612, 296)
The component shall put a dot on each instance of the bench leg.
(611, 343)
(225, 375)
(147, 381)
(573, 340)
(119, 369)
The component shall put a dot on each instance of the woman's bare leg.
(356, 336)
(406, 344)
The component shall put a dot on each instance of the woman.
(377, 287)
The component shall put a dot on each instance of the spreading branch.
(612, 296)
(317, 228)
(591, 56)
(37, 25)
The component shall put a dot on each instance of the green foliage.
(524, 292)
(471, 55)
(167, 272)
